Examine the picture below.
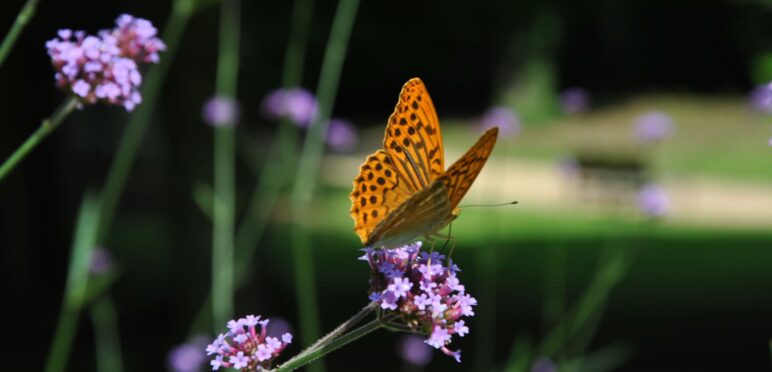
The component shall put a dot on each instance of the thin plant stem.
(342, 328)
(139, 120)
(75, 291)
(107, 342)
(272, 177)
(308, 168)
(224, 168)
(25, 15)
(61, 345)
(46, 127)
(305, 358)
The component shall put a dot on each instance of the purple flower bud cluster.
(422, 291)
(105, 67)
(296, 104)
(761, 98)
(653, 201)
(244, 348)
(503, 117)
(574, 100)
(653, 126)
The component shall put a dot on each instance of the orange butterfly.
(403, 190)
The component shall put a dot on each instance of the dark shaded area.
(162, 241)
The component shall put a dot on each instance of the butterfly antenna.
(489, 205)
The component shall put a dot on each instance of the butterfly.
(403, 191)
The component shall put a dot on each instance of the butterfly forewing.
(413, 138)
(461, 175)
(377, 191)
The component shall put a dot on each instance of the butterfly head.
(456, 212)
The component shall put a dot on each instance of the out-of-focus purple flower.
(503, 117)
(101, 261)
(341, 135)
(574, 100)
(761, 98)
(414, 350)
(104, 68)
(296, 104)
(244, 347)
(653, 126)
(653, 201)
(188, 357)
(221, 111)
(422, 291)
(544, 365)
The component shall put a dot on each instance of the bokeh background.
(691, 292)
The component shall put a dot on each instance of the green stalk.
(138, 121)
(272, 177)
(308, 168)
(224, 171)
(46, 127)
(26, 13)
(76, 287)
(108, 344)
(305, 358)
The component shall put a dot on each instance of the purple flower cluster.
(296, 104)
(574, 100)
(503, 117)
(188, 357)
(105, 67)
(761, 98)
(653, 126)
(244, 348)
(653, 201)
(220, 111)
(341, 135)
(422, 291)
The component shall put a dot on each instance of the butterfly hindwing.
(413, 138)
(377, 191)
(425, 212)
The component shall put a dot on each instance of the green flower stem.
(308, 168)
(611, 272)
(46, 127)
(75, 292)
(224, 169)
(26, 13)
(138, 121)
(305, 358)
(272, 177)
(341, 329)
(107, 343)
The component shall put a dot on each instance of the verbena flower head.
(296, 104)
(246, 348)
(188, 357)
(136, 38)
(341, 135)
(653, 201)
(221, 111)
(503, 117)
(761, 98)
(414, 350)
(574, 100)
(105, 67)
(423, 291)
(653, 126)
